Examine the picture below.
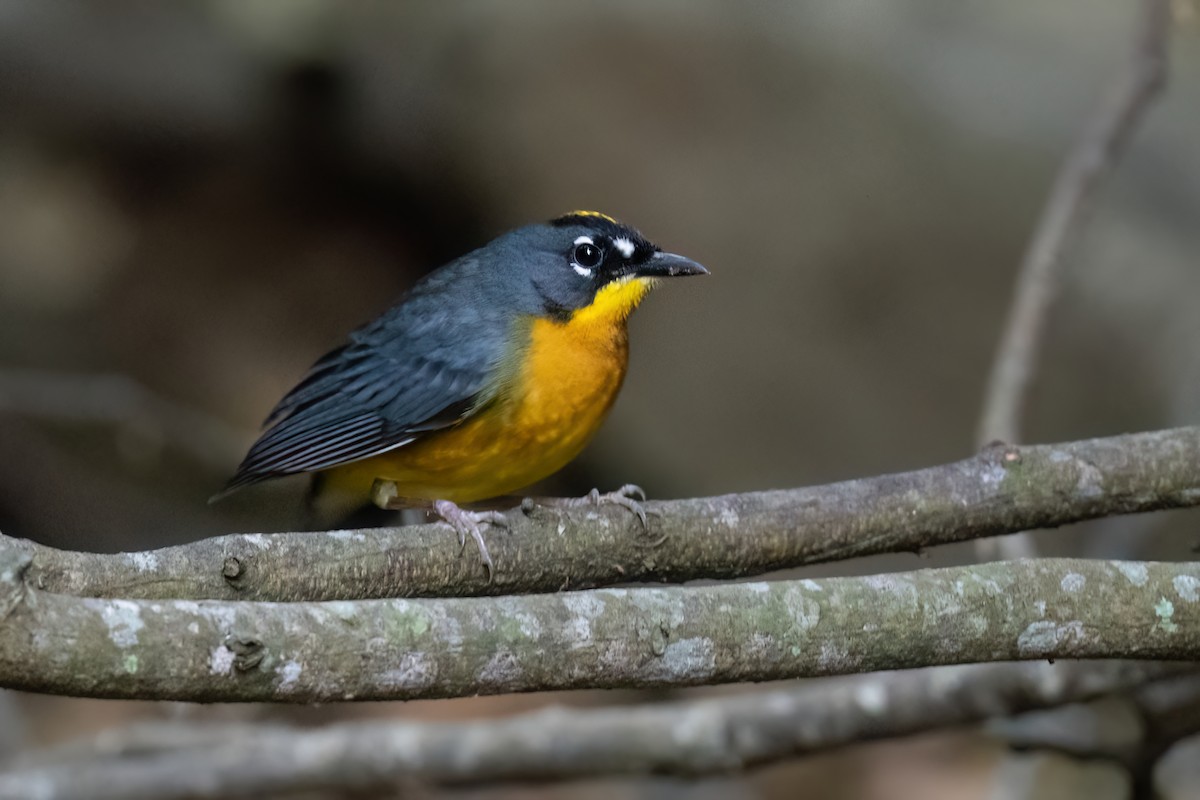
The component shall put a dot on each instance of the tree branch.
(1092, 157)
(683, 738)
(1134, 727)
(1001, 490)
(611, 638)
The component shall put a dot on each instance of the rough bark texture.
(212, 651)
(1001, 490)
(164, 761)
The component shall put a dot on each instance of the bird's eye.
(587, 255)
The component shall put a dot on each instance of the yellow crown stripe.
(605, 217)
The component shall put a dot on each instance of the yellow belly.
(558, 396)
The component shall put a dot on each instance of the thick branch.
(609, 638)
(1001, 490)
(684, 738)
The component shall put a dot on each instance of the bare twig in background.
(119, 400)
(1096, 151)
(1001, 490)
(690, 738)
(1166, 767)
(1092, 157)
(216, 651)
(1094, 154)
(1134, 728)
(1129, 727)
(1171, 711)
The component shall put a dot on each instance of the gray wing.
(420, 367)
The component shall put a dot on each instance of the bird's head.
(584, 265)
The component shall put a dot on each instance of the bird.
(491, 373)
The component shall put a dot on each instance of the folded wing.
(390, 384)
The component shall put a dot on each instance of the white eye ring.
(587, 252)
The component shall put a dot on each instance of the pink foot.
(629, 496)
(469, 523)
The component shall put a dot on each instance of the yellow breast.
(556, 392)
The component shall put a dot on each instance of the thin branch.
(1133, 727)
(216, 651)
(687, 738)
(1093, 156)
(1172, 709)
(1001, 490)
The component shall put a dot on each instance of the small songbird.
(490, 374)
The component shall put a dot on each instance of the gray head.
(556, 268)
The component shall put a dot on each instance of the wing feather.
(414, 370)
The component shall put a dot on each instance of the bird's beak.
(664, 265)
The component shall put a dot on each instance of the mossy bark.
(1001, 490)
(608, 638)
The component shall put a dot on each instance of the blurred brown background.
(203, 197)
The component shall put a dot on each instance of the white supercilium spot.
(624, 245)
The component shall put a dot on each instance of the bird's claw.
(630, 496)
(469, 523)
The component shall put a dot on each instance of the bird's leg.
(386, 494)
(630, 496)
(469, 523)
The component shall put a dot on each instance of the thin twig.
(1093, 156)
(689, 738)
